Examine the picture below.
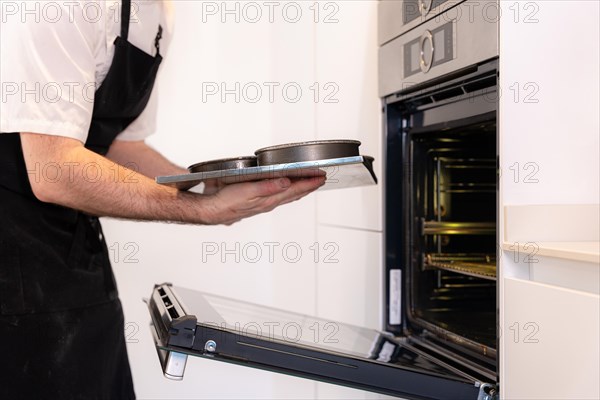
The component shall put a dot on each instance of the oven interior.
(453, 232)
(442, 176)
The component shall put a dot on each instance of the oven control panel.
(462, 36)
(432, 48)
(396, 17)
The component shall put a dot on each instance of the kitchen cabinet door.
(547, 333)
(349, 280)
(347, 106)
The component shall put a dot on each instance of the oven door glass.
(222, 329)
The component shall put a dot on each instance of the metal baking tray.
(344, 172)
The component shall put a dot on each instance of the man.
(64, 150)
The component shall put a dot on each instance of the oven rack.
(476, 265)
(457, 228)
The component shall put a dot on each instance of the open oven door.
(187, 322)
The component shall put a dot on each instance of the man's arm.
(143, 158)
(95, 185)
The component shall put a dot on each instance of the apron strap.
(125, 19)
(125, 15)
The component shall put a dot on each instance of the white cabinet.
(349, 276)
(549, 101)
(550, 302)
(549, 194)
(349, 288)
(551, 346)
(349, 108)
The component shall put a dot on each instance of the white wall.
(190, 130)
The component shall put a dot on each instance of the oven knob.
(426, 56)
(425, 6)
(210, 346)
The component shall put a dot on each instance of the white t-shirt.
(55, 54)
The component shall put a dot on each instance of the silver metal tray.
(341, 173)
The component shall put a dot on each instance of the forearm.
(142, 158)
(95, 185)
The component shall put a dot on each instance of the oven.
(441, 219)
(438, 82)
(438, 85)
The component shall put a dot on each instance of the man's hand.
(115, 191)
(241, 200)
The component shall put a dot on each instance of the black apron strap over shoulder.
(126, 89)
(125, 16)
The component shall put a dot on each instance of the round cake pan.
(224, 164)
(307, 151)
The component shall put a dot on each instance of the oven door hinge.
(488, 391)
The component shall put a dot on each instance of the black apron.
(61, 322)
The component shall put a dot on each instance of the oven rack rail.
(457, 228)
(477, 265)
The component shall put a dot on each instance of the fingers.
(269, 187)
(212, 186)
(238, 201)
(299, 189)
(255, 197)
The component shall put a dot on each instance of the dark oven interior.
(441, 195)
